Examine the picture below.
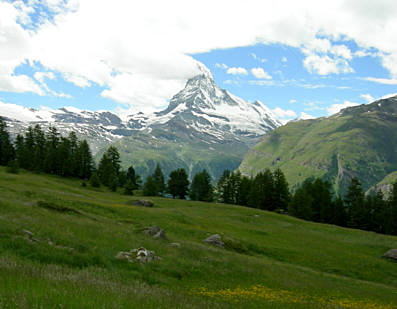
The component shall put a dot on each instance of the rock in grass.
(141, 255)
(391, 254)
(215, 240)
(144, 203)
(155, 232)
(175, 244)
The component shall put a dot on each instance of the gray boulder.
(155, 232)
(215, 240)
(391, 254)
(144, 203)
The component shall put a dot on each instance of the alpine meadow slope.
(358, 141)
(59, 242)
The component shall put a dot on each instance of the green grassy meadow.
(270, 260)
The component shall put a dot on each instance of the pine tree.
(354, 201)
(281, 190)
(6, 147)
(28, 159)
(158, 178)
(39, 149)
(339, 213)
(178, 183)
(51, 161)
(133, 178)
(84, 160)
(201, 188)
(223, 190)
(300, 205)
(20, 150)
(150, 187)
(262, 191)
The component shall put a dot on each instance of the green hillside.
(58, 242)
(359, 141)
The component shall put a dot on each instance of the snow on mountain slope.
(202, 109)
(203, 105)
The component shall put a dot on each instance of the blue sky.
(300, 59)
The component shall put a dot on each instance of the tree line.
(314, 200)
(47, 152)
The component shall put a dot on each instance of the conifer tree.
(354, 201)
(39, 149)
(262, 191)
(84, 160)
(178, 183)
(158, 178)
(150, 187)
(6, 147)
(201, 188)
(223, 190)
(281, 190)
(300, 205)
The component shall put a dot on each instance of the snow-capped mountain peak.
(205, 107)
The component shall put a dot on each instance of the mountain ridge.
(358, 141)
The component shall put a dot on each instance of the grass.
(270, 260)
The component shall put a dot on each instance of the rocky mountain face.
(204, 126)
(358, 141)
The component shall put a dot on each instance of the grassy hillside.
(359, 141)
(271, 260)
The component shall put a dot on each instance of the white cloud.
(367, 97)
(96, 41)
(335, 108)
(237, 71)
(77, 80)
(305, 116)
(260, 73)
(324, 65)
(262, 82)
(284, 59)
(221, 66)
(292, 101)
(284, 113)
(40, 76)
(385, 81)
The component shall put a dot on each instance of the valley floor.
(58, 242)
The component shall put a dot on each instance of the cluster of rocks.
(141, 255)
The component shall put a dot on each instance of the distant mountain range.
(358, 141)
(204, 126)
